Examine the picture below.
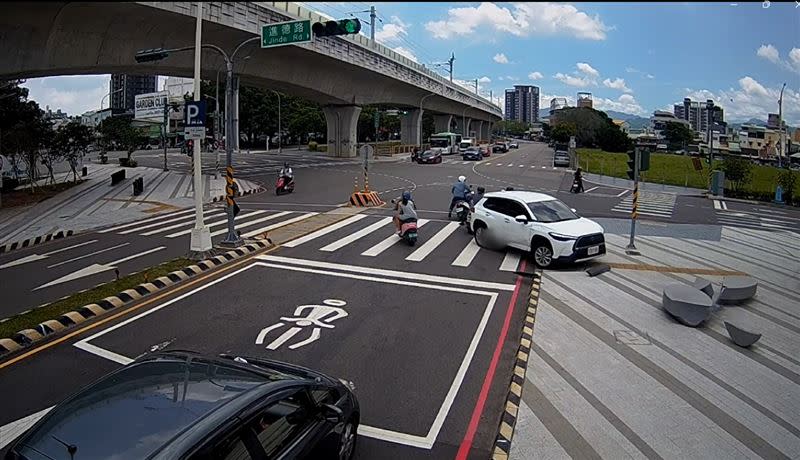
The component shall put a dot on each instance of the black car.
(183, 405)
(472, 153)
(430, 156)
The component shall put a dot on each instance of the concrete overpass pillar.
(486, 129)
(411, 127)
(236, 114)
(442, 123)
(462, 125)
(476, 129)
(342, 124)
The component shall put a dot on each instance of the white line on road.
(510, 165)
(357, 235)
(510, 262)
(171, 227)
(145, 221)
(724, 205)
(433, 243)
(331, 228)
(388, 242)
(134, 256)
(216, 223)
(96, 268)
(253, 222)
(88, 255)
(279, 224)
(717, 205)
(622, 193)
(35, 257)
(593, 188)
(544, 167)
(467, 254)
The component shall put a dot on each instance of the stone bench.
(736, 289)
(740, 336)
(704, 285)
(688, 305)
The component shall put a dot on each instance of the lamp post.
(419, 131)
(232, 239)
(280, 133)
(114, 92)
(201, 236)
(781, 139)
(710, 121)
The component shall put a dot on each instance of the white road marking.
(216, 223)
(88, 255)
(593, 188)
(97, 268)
(331, 228)
(433, 243)
(388, 242)
(521, 166)
(279, 224)
(467, 254)
(35, 257)
(724, 205)
(190, 221)
(510, 262)
(717, 205)
(252, 222)
(151, 219)
(357, 235)
(510, 165)
(544, 167)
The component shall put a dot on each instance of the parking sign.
(195, 120)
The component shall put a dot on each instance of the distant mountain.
(752, 121)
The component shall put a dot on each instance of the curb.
(240, 194)
(508, 421)
(760, 203)
(27, 337)
(8, 247)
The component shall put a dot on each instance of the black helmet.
(481, 190)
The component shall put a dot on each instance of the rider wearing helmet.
(460, 192)
(286, 171)
(405, 210)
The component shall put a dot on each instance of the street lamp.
(115, 92)
(419, 131)
(780, 128)
(157, 54)
(280, 133)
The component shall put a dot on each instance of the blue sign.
(195, 113)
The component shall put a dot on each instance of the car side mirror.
(521, 219)
(332, 413)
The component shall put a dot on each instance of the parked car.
(430, 156)
(472, 153)
(538, 223)
(500, 147)
(513, 145)
(561, 158)
(180, 404)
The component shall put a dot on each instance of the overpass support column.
(462, 125)
(235, 115)
(442, 123)
(411, 127)
(486, 129)
(342, 124)
(476, 129)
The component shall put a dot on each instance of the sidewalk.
(95, 203)
(597, 179)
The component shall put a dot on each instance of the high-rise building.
(522, 104)
(124, 89)
(696, 113)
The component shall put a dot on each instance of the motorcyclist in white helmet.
(460, 192)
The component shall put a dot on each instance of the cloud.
(625, 103)
(579, 82)
(500, 58)
(752, 100)
(587, 69)
(770, 53)
(512, 78)
(617, 83)
(650, 76)
(74, 94)
(393, 31)
(632, 70)
(535, 76)
(526, 19)
(406, 52)
(484, 80)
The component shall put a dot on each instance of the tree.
(513, 127)
(120, 131)
(589, 123)
(787, 179)
(23, 128)
(72, 140)
(678, 135)
(562, 131)
(737, 170)
(612, 139)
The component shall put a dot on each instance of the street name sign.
(285, 33)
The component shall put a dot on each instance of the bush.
(787, 179)
(312, 146)
(737, 170)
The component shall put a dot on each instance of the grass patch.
(24, 196)
(674, 170)
(78, 300)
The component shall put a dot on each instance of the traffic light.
(340, 27)
(644, 160)
(632, 165)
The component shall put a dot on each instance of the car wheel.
(347, 441)
(482, 236)
(542, 254)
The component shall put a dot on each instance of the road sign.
(150, 106)
(195, 121)
(285, 33)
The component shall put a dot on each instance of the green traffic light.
(350, 27)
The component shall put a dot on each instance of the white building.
(93, 118)
(178, 87)
(659, 120)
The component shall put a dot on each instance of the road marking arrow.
(35, 257)
(96, 268)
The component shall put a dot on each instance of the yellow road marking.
(668, 269)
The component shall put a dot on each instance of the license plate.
(593, 250)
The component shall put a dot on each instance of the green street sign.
(285, 33)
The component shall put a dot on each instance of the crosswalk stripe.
(253, 222)
(433, 243)
(216, 223)
(324, 231)
(510, 165)
(510, 262)
(357, 235)
(146, 221)
(279, 224)
(521, 166)
(388, 242)
(213, 213)
(467, 254)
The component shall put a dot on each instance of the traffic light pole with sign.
(634, 162)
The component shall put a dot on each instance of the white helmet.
(461, 178)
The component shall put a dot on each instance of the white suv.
(538, 223)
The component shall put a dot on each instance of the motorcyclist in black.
(578, 185)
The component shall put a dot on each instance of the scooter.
(462, 209)
(575, 186)
(284, 185)
(408, 231)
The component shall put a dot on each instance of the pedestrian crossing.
(650, 204)
(763, 219)
(180, 224)
(443, 243)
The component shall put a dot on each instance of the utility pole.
(450, 62)
(201, 236)
(709, 118)
(372, 17)
(165, 129)
(631, 248)
(476, 86)
(781, 139)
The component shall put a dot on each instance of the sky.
(633, 58)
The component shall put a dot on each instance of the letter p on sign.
(195, 120)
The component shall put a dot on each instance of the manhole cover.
(631, 338)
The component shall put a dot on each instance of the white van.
(465, 144)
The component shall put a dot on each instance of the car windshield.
(428, 153)
(439, 143)
(551, 211)
(473, 150)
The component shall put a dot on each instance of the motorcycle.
(408, 231)
(575, 187)
(462, 210)
(284, 185)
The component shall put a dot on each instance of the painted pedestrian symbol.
(317, 316)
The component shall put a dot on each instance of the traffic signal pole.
(635, 205)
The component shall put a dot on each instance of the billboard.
(150, 106)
